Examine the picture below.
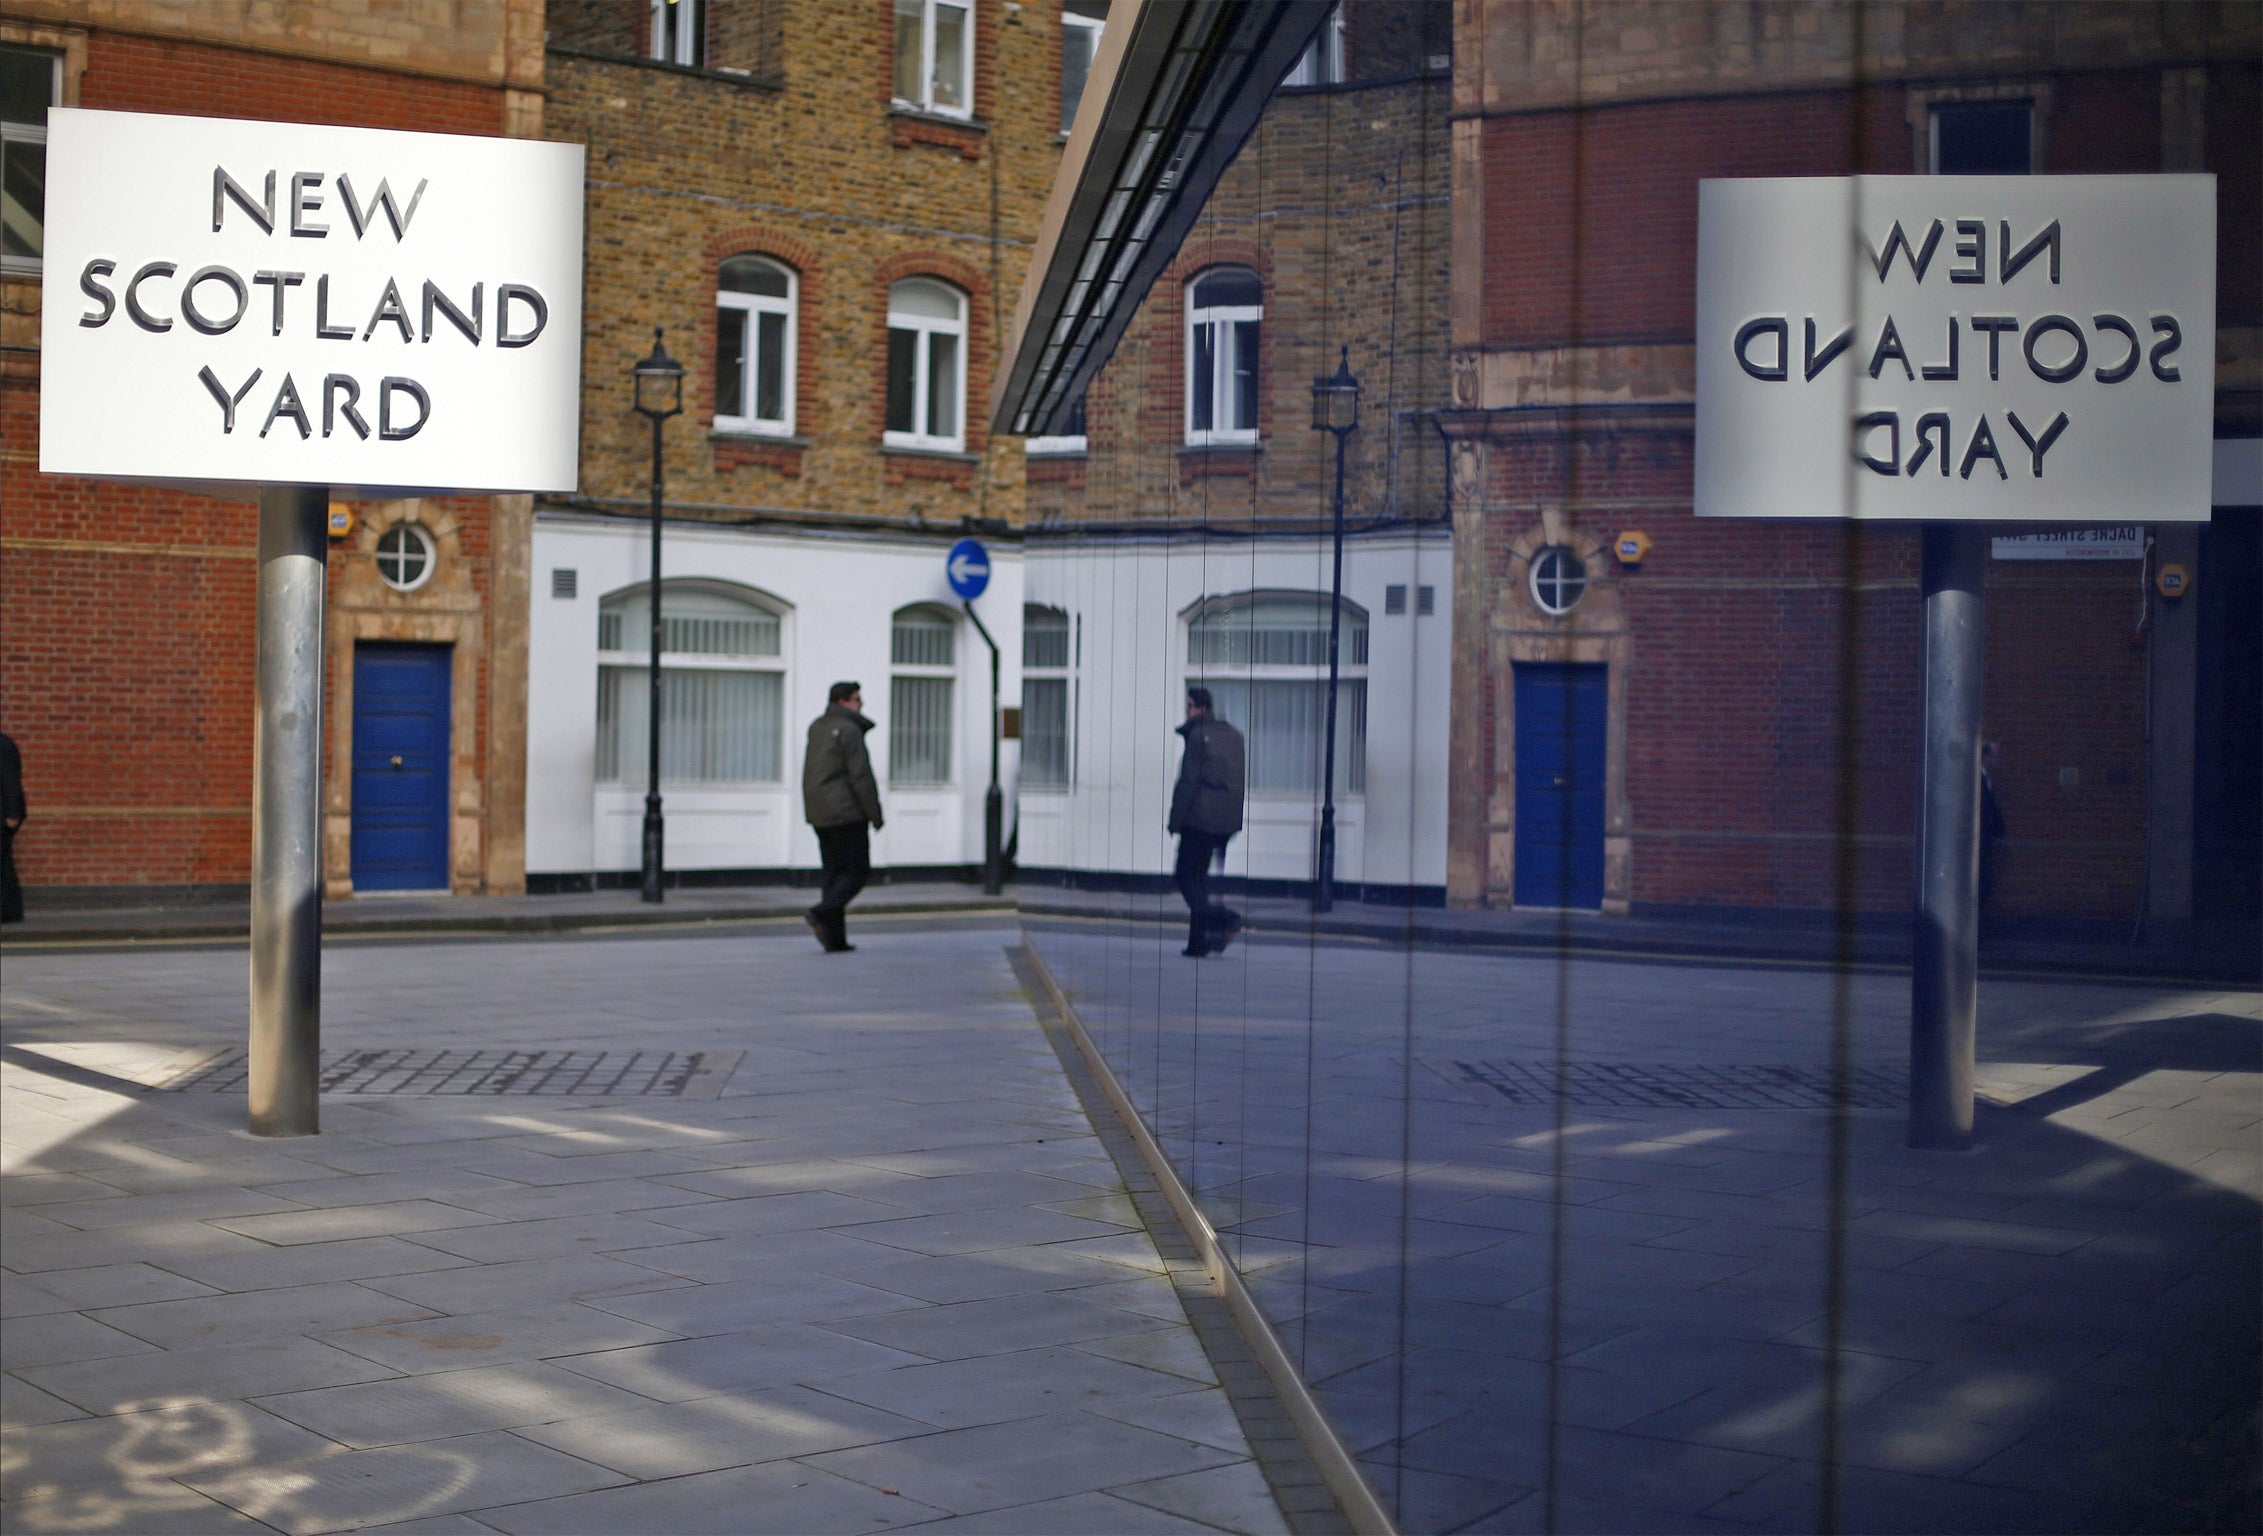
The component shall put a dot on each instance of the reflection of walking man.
(1991, 831)
(1206, 812)
(843, 804)
(11, 817)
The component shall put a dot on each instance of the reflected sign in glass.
(1970, 348)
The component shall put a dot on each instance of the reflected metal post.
(655, 828)
(1945, 957)
(659, 395)
(1335, 410)
(285, 1041)
(994, 800)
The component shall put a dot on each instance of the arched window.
(1047, 654)
(923, 666)
(722, 686)
(926, 365)
(1225, 309)
(1264, 658)
(754, 346)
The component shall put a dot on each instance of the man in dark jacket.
(843, 804)
(1206, 812)
(11, 817)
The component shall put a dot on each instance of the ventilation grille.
(477, 1074)
(1653, 1085)
(564, 581)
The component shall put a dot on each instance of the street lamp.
(659, 395)
(1335, 409)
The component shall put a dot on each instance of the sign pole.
(1945, 960)
(286, 837)
(994, 799)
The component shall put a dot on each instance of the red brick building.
(1759, 684)
(126, 614)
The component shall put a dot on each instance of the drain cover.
(1651, 1085)
(547, 1074)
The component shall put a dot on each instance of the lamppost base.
(1324, 882)
(654, 838)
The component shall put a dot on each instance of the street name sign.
(1956, 348)
(2125, 541)
(274, 304)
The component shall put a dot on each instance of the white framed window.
(1558, 580)
(1264, 658)
(755, 337)
(1322, 62)
(678, 36)
(1981, 138)
(406, 556)
(935, 56)
(926, 365)
(31, 81)
(1081, 21)
(923, 668)
(1069, 440)
(1225, 312)
(722, 686)
(1048, 700)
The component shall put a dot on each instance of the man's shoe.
(1193, 953)
(817, 926)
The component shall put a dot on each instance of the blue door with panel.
(400, 815)
(1561, 720)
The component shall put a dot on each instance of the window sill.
(916, 451)
(909, 125)
(768, 439)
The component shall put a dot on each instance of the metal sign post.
(285, 1039)
(1944, 962)
(968, 569)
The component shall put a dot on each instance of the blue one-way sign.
(968, 567)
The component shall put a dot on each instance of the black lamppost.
(1335, 408)
(659, 395)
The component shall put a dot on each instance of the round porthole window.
(1559, 580)
(405, 556)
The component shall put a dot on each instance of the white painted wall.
(838, 592)
(1131, 600)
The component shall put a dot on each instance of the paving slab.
(649, 1314)
(995, 1466)
(778, 1499)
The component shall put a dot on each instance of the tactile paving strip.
(1653, 1085)
(576, 1074)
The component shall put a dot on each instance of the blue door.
(1561, 720)
(400, 840)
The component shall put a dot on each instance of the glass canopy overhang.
(1175, 90)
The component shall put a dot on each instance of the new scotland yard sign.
(1957, 348)
(263, 303)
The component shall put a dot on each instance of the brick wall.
(818, 171)
(127, 613)
(1771, 669)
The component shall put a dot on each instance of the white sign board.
(275, 303)
(1957, 348)
(2120, 541)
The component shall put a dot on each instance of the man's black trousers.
(1205, 920)
(847, 856)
